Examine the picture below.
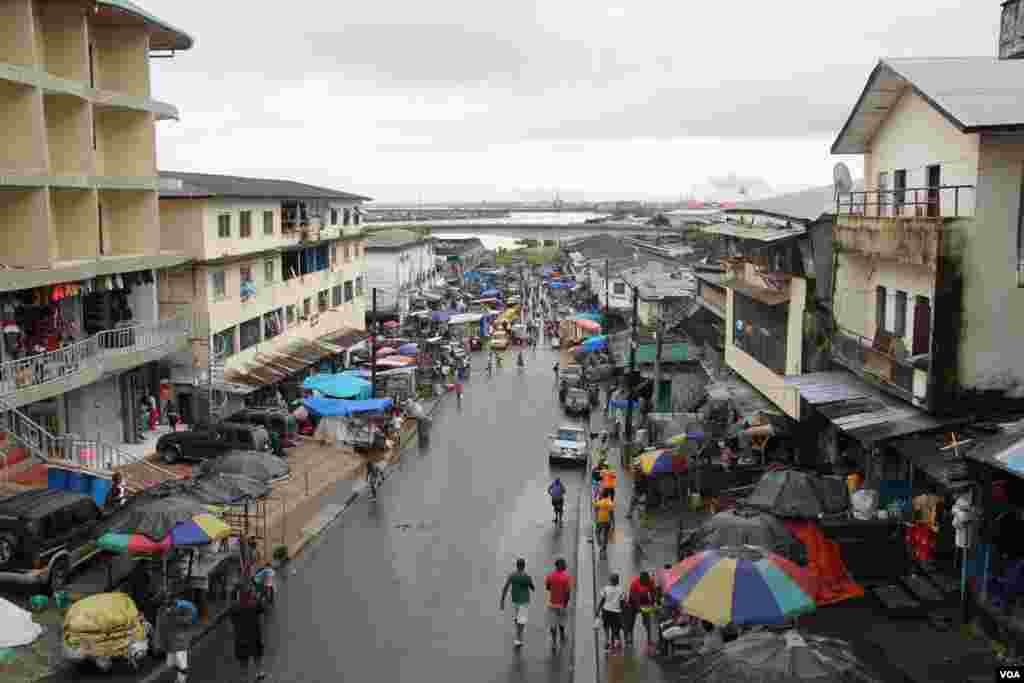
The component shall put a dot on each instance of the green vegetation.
(535, 256)
(280, 553)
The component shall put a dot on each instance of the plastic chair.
(1002, 589)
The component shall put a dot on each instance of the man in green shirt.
(521, 585)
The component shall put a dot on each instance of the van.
(274, 420)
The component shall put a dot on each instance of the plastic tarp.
(743, 527)
(214, 489)
(827, 571)
(263, 467)
(101, 613)
(594, 344)
(440, 316)
(594, 317)
(328, 407)
(359, 372)
(796, 494)
(16, 626)
(154, 516)
(339, 386)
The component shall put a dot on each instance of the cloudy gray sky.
(463, 99)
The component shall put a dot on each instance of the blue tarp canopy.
(594, 344)
(338, 386)
(334, 407)
(489, 293)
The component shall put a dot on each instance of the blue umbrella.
(440, 316)
(408, 349)
(594, 344)
(489, 293)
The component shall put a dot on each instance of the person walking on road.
(604, 507)
(557, 492)
(639, 602)
(609, 608)
(172, 624)
(520, 584)
(555, 369)
(559, 587)
(248, 627)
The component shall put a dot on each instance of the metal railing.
(906, 202)
(64, 449)
(89, 353)
(851, 347)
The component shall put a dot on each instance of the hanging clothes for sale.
(926, 510)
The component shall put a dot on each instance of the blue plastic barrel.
(56, 478)
(74, 482)
(100, 490)
(86, 483)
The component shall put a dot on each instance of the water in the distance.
(495, 241)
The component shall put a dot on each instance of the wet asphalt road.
(407, 588)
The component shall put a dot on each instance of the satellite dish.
(842, 178)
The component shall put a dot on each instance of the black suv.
(45, 535)
(209, 441)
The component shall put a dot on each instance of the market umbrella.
(593, 344)
(788, 657)
(745, 527)
(154, 515)
(798, 494)
(338, 385)
(662, 461)
(263, 467)
(740, 585)
(201, 529)
(589, 326)
(391, 324)
(440, 316)
(386, 351)
(680, 439)
(594, 317)
(409, 349)
(395, 362)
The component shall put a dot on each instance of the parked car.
(577, 402)
(274, 420)
(568, 445)
(210, 441)
(45, 535)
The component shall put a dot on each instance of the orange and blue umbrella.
(740, 585)
(202, 529)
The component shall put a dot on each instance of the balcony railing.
(857, 353)
(90, 353)
(943, 201)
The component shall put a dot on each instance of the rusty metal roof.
(758, 233)
(860, 410)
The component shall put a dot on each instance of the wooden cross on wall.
(955, 443)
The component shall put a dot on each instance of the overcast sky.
(470, 99)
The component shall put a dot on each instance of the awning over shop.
(339, 386)
(858, 409)
(465, 318)
(271, 367)
(1004, 452)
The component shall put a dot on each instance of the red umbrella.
(385, 351)
(391, 324)
(588, 325)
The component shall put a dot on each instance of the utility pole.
(659, 338)
(607, 301)
(632, 369)
(373, 348)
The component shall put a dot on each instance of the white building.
(397, 263)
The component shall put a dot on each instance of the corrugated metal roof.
(973, 93)
(754, 232)
(771, 297)
(806, 205)
(392, 239)
(211, 185)
(858, 409)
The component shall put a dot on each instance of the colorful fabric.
(200, 530)
(662, 461)
(740, 586)
(830, 580)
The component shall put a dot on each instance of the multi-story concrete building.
(397, 262)
(84, 265)
(279, 274)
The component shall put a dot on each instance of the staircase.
(96, 457)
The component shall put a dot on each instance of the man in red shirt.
(559, 587)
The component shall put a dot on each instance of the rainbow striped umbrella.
(740, 585)
(662, 461)
(200, 530)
